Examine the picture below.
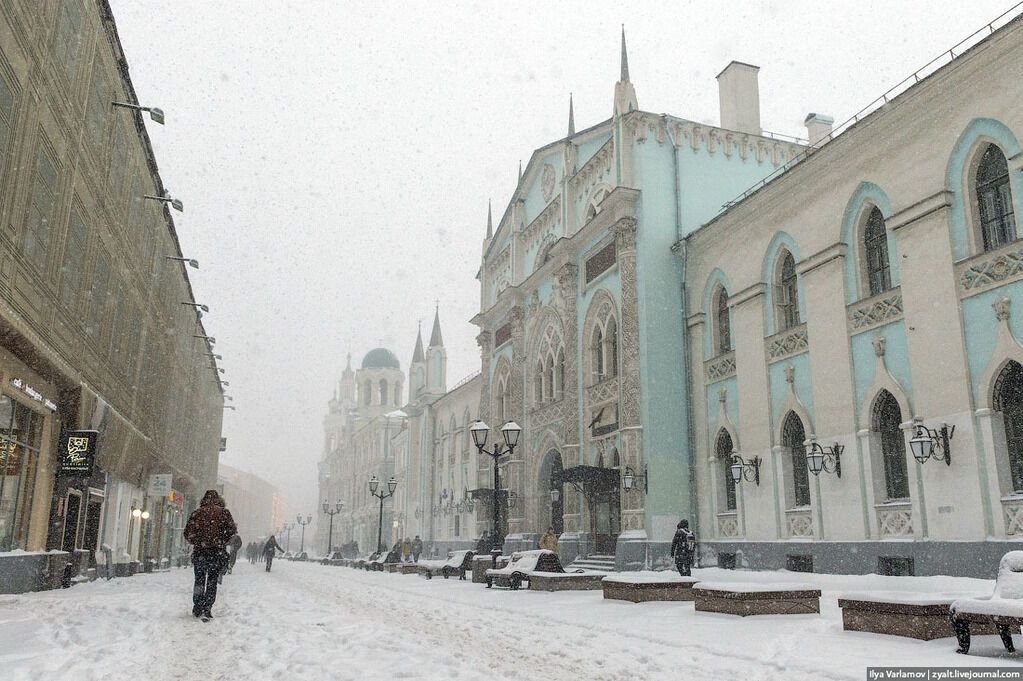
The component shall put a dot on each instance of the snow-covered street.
(307, 621)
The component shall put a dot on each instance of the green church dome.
(380, 358)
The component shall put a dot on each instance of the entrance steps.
(595, 562)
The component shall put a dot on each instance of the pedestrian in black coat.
(683, 547)
(269, 551)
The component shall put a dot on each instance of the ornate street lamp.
(932, 444)
(298, 519)
(827, 459)
(480, 432)
(745, 470)
(374, 483)
(331, 512)
(629, 479)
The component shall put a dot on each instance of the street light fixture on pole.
(209, 339)
(287, 526)
(155, 113)
(373, 485)
(204, 308)
(480, 431)
(191, 261)
(166, 198)
(298, 519)
(330, 533)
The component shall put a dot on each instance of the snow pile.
(748, 587)
(649, 577)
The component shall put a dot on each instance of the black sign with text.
(77, 453)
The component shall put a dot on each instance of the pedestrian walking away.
(417, 548)
(269, 549)
(208, 530)
(683, 547)
(406, 550)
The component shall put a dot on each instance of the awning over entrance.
(592, 479)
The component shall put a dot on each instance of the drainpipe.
(682, 254)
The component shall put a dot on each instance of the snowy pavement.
(307, 621)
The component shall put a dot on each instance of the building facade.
(582, 314)
(94, 333)
(256, 505)
(869, 292)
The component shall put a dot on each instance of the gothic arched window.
(598, 354)
(723, 325)
(367, 392)
(538, 387)
(611, 338)
(383, 392)
(786, 292)
(887, 420)
(793, 437)
(723, 448)
(559, 374)
(875, 253)
(1008, 399)
(994, 199)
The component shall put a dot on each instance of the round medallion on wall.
(547, 181)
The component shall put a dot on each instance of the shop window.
(799, 563)
(891, 566)
(994, 199)
(20, 440)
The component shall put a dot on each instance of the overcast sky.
(336, 158)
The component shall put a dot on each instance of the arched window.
(994, 199)
(383, 391)
(367, 392)
(793, 437)
(598, 354)
(501, 405)
(559, 375)
(611, 338)
(875, 253)
(538, 388)
(887, 419)
(549, 378)
(786, 293)
(1008, 399)
(723, 449)
(723, 323)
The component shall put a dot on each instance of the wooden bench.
(458, 563)
(522, 566)
(1003, 609)
(757, 598)
(640, 587)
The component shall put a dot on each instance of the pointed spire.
(435, 338)
(349, 367)
(520, 172)
(571, 116)
(418, 355)
(625, 59)
(490, 215)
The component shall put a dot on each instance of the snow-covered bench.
(640, 587)
(899, 613)
(734, 598)
(363, 563)
(1004, 608)
(522, 566)
(457, 563)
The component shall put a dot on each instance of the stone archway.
(549, 478)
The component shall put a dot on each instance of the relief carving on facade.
(879, 310)
(483, 339)
(1012, 508)
(799, 523)
(787, 343)
(728, 525)
(625, 237)
(720, 367)
(989, 270)
(516, 390)
(895, 520)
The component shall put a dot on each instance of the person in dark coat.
(234, 545)
(417, 548)
(208, 530)
(683, 547)
(269, 551)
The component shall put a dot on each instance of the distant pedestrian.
(549, 541)
(208, 530)
(683, 547)
(234, 545)
(261, 553)
(406, 550)
(250, 550)
(417, 548)
(269, 551)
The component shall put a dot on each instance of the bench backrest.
(1010, 576)
(457, 559)
(532, 560)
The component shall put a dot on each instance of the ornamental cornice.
(536, 230)
(604, 391)
(789, 342)
(696, 136)
(989, 270)
(719, 368)
(866, 314)
(594, 170)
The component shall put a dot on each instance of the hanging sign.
(160, 484)
(77, 452)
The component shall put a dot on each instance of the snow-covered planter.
(639, 587)
(1003, 609)
(779, 598)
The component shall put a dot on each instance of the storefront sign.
(33, 393)
(176, 498)
(160, 485)
(77, 452)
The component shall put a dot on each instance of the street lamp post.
(480, 431)
(298, 519)
(287, 527)
(373, 485)
(331, 512)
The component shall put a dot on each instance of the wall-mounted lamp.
(629, 479)
(555, 496)
(512, 499)
(166, 198)
(932, 444)
(200, 306)
(827, 459)
(748, 470)
(209, 339)
(155, 113)
(191, 261)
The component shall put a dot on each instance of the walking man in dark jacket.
(683, 546)
(417, 548)
(269, 549)
(208, 530)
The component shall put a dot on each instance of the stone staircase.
(595, 562)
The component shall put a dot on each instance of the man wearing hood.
(208, 530)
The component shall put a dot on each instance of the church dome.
(380, 358)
